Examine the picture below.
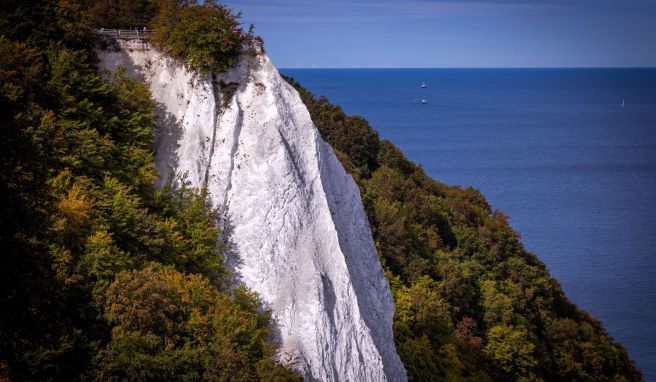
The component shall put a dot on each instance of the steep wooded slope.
(471, 302)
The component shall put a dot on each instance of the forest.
(105, 277)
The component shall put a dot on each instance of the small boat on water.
(622, 105)
(423, 101)
(423, 85)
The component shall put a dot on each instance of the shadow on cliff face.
(231, 255)
(116, 58)
(166, 142)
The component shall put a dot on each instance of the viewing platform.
(125, 34)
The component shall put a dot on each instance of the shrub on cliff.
(173, 326)
(205, 37)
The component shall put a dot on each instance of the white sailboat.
(423, 85)
(622, 103)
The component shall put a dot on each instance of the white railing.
(124, 33)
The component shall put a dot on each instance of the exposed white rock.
(295, 219)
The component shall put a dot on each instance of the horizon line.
(464, 67)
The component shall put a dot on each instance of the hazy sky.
(458, 33)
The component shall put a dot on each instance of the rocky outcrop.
(294, 218)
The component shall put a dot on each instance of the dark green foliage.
(40, 24)
(121, 14)
(103, 276)
(35, 329)
(471, 303)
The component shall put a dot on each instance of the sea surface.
(555, 150)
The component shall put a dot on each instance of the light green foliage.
(189, 234)
(423, 330)
(420, 310)
(471, 303)
(498, 306)
(510, 350)
(103, 259)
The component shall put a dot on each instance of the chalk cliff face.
(294, 218)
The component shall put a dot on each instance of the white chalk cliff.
(299, 234)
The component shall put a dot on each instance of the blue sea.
(555, 150)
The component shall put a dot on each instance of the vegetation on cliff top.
(471, 302)
(104, 277)
(207, 37)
